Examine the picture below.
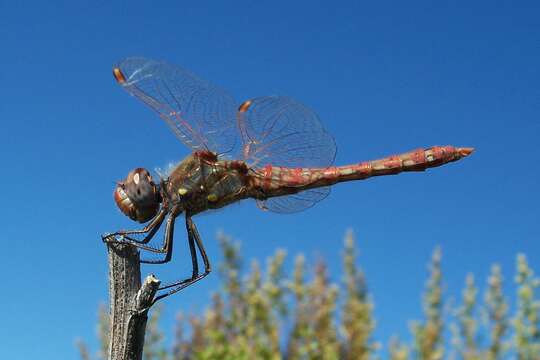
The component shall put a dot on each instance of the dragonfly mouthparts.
(465, 151)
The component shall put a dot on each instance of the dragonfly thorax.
(202, 182)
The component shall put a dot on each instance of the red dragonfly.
(272, 149)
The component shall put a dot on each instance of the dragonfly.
(272, 149)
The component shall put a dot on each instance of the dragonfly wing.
(201, 115)
(280, 131)
(296, 202)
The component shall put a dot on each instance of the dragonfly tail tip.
(465, 151)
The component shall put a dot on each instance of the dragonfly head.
(138, 196)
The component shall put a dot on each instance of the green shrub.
(272, 315)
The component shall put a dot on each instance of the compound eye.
(138, 196)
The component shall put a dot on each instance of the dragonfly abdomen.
(416, 160)
(278, 181)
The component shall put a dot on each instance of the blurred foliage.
(269, 314)
(428, 335)
(526, 321)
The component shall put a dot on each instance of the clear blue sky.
(384, 78)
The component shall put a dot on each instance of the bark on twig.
(130, 302)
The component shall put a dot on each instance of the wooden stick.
(130, 302)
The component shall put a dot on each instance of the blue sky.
(384, 78)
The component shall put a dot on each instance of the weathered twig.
(130, 302)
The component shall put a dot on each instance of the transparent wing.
(280, 131)
(201, 115)
(296, 202)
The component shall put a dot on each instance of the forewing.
(201, 115)
(280, 131)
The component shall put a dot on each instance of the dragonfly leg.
(194, 239)
(150, 230)
(191, 225)
(167, 246)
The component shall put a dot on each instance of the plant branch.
(130, 302)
